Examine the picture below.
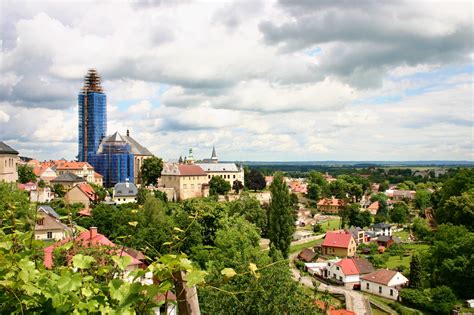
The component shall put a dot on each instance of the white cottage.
(384, 282)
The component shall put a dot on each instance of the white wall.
(375, 288)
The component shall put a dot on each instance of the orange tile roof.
(374, 206)
(340, 312)
(88, 190)
(348, 266)
(331, 202)
(74, 166)
(191, 170)
(97, 175)
(381, 276)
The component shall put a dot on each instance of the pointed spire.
(214, 158)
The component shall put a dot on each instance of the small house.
(384, 282)
(339, 244)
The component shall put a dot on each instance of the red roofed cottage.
(339, 244)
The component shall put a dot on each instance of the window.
(40, 221)
(209, 176)
(234, 176)
(337, 268)
(340, 278)
(185, 186)
(49, 234)
(380, 289)
(192, 186)
(391, 292)
(367, 286)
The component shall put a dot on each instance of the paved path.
(355, 301)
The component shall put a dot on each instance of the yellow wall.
(185, 186)
(230, 177)
(8, 167)
(75, 195)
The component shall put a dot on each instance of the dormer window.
(40, 221)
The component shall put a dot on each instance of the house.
(348, 271)
(384, 282)
(28, 186)
(299, 235)
(68, 180)
(373, 208)
(188, 180)
(358, 234)
(331, 205)
(268, 180)
(470, 303)
(387, 241)
(306, 255)
(125, 193)
(98, 179)
(82, 193)
(8, 163)
(297, 186)
(339, 244)
(382, 229)
(45, 173)
(41, 195)
(81, 169)
(49, 227)
(400, 195)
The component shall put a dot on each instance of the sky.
(259, 80)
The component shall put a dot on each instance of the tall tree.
(399, 213)
(415, 272)
(255, 180)
(422, 199)
(151, 170)
(26, 174)
(237, 186)
(314, 191)
(281, 217)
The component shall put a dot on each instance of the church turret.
(190, 159)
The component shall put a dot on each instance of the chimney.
(93, 232)
(128, 133)
(127, 184)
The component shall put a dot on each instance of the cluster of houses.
(336, 261)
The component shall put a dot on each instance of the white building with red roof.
(384, 282)
(348, 271)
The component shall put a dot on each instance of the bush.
(416, 298)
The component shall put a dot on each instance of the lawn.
(300, 247)
(385, 303)
(331, 225)
(403, 235)
(394, 261)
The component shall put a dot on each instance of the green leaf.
(6, 245)
(195, 277)
(69, 282)
(167, 243)
(122, 262)
(253, 268)
(133, 223)
(228, 272)
(82, 262)
(177, 229)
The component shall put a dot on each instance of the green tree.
(26, 174)
(416, 272)
(399, 213)
(460, 209)
(314, 192)
(422, 199)
(281, 217)
(339, 188)
(254, 180)
(237, 186)
(352, 216)
(99, 191)
(59, 190)
(442, 300)
(151, 170)
(421, 228)
(249, 207)
(218, 186)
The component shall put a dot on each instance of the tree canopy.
(151, 170)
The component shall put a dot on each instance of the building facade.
(188, 181)
(8, 163)
(92, 116)
(81, 169)
(384, 282)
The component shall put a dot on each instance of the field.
(403, 235)
(331, 225)
(394, 261)
(300, 247)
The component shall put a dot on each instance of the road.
(355, 301)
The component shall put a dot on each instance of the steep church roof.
(5, 149)
(135, 147)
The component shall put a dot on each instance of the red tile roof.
(85, 239)
(191, 170)
(85, 212)
(88, 190)
(374, 206)
(74, 166)
(348, 266)
(97, 175)
(336, 239)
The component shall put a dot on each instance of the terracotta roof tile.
(337, 239)
(381, 276)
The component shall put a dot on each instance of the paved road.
(355, 301)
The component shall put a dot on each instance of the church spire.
(214, 158)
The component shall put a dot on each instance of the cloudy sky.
(260, 80)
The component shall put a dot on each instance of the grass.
(403, 235)
(385, 302)
(330, 225)
(394, 261)
(300, 247)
